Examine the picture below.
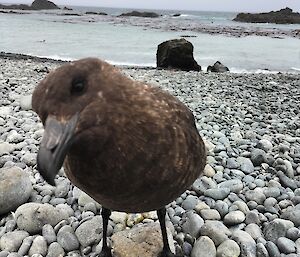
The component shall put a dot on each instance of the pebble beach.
(247, 203)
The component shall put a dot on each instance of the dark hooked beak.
(54, 146)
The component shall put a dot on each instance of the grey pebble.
(190, 202)
(204, 247)
(261, 250)
(258, 156)
(49, 233)
(272, 249)
(215, 230)
(286, 245)
(67, 238)
(210, 214)
(90, 231)
(235, 185)
(15, 188)
(33, 216)
(246, 242)
(11, 241)
(228, 248)
(192, 223)
(25, 246)
(39, 246)
(217, 193)
(234, 218)
(276, 228)
(55, 250)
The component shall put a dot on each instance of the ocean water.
(50, 34)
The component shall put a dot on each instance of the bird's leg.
(166, 252)
(106, 251)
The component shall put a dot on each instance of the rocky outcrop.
(96, 13)
(36, 5)
(15, 7)
(177, 54)
(140, 14)
(43, 5)
(283, 16)
(217, 67)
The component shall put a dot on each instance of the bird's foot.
(168, 253)
(106, 252)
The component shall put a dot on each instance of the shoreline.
(17, 56)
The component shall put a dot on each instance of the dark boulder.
(43, 5)
(96, 13)
(140, 14)
(217, 67)
(283, 16)
(178, 54)
(15, 7)
(67, 9)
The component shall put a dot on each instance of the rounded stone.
(15, 188)
(55, 250)
(234, 218)
(11, 241)
(192, 223)
(228, 248)
(67, 238)
(33, 216)
(39, 246)
(204, 247)
(286, 245)
(215, 230)
(89, 232)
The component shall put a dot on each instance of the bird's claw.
(106, 252)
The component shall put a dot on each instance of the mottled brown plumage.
(134, 147)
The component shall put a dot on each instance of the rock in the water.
(178, 54)
(217, 67)
(204, 247)
(43, 5)
(15, 188)
(283, 16)
(33, 216)
(145, 240)
(11, 241)
(228, 248)
(140, 14)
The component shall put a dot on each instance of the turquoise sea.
(133, 41)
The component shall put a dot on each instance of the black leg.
(106, 252)
(166, 252)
